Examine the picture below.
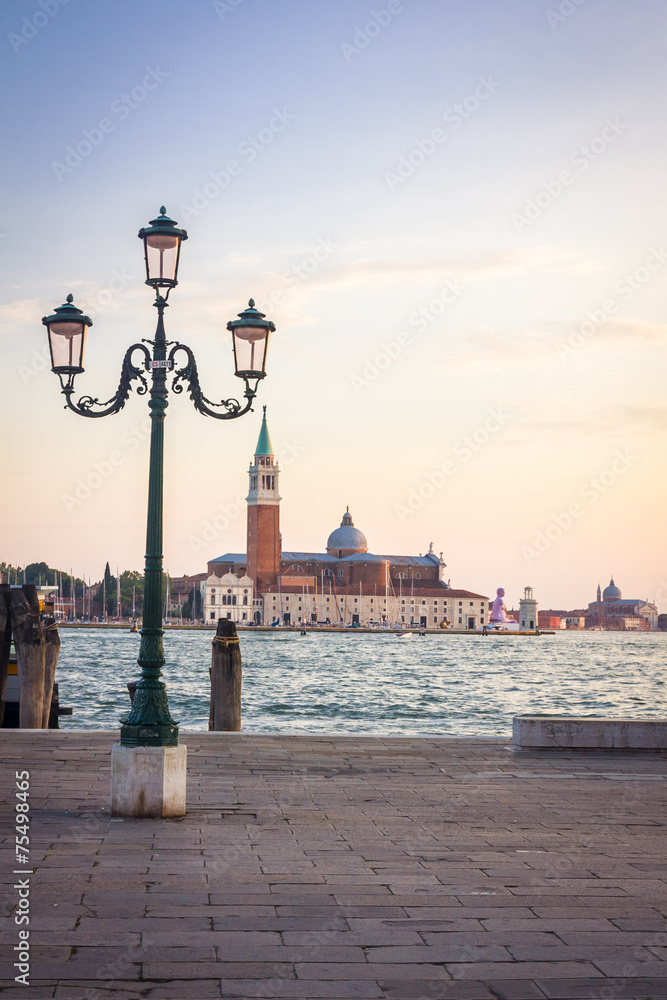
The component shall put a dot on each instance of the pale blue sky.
(339, 123)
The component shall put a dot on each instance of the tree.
(131, 579)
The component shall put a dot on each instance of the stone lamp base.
(148, 781)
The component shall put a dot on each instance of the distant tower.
(599, 597)
(528, 619)
(263, 552)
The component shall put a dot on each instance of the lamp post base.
(148, 781)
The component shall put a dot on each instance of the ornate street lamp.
(67, 329)
(149, 723)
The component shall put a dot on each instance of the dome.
(611, 593)
(347, 538)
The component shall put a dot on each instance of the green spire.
(264, 441)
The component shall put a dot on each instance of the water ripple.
(439, 684)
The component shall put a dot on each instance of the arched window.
(341, 574)
(245, 600)
(401, 576)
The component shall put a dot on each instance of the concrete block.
(617, 734)
(148, 781)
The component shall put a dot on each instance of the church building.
(611, 612)
(343, 585)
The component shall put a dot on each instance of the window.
(245, 601)
(340, 553)
(418, 576)
(341, 574)
(213, 615)
(460, 620)
(401, 576)
(471, 604)
(460, 604)
(435, 621)
(212, 599)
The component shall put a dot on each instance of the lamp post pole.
(149, 724)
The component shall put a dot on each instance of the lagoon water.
(446, 685)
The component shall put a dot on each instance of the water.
(446, 685)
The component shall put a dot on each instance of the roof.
(433, 591)
(264, 441)
(360, 557)
(230, 557)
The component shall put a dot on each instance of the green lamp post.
(149, 723)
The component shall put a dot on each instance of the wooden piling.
(51, 652)
(5, 645)
(226, 677)
(30, 649)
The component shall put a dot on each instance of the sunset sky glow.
(452, 210)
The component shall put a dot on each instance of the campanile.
(263, 551)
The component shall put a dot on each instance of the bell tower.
(263, 550)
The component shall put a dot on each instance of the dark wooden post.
(51, 652)
(30, 649)
(226, 672)
(5, 645)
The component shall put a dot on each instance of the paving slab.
(341, 866)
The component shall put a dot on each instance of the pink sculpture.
(499, 611)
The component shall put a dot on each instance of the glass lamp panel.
(68, 341)
(250, 348)
(161, 256)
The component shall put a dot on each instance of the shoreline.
(312, 630)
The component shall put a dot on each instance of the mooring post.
(51, 652)
(226, 676)
(5, 645)
(30, 650)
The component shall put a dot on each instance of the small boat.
(403, 635)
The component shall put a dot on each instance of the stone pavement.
(338, 867)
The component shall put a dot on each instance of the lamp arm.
(129, 371)
(190, 375)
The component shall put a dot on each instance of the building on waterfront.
(552, 619)
(612, 612)
(528, 619)
(345, 584)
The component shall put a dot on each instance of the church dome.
(347, 538)
(611, 593)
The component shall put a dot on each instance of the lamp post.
(149, 723)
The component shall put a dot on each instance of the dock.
(332, 866)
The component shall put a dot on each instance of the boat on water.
(403, 635)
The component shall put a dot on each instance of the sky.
(452, 210)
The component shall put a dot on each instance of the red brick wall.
(263, 544)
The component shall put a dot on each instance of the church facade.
(612, 612)
(344, 584)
